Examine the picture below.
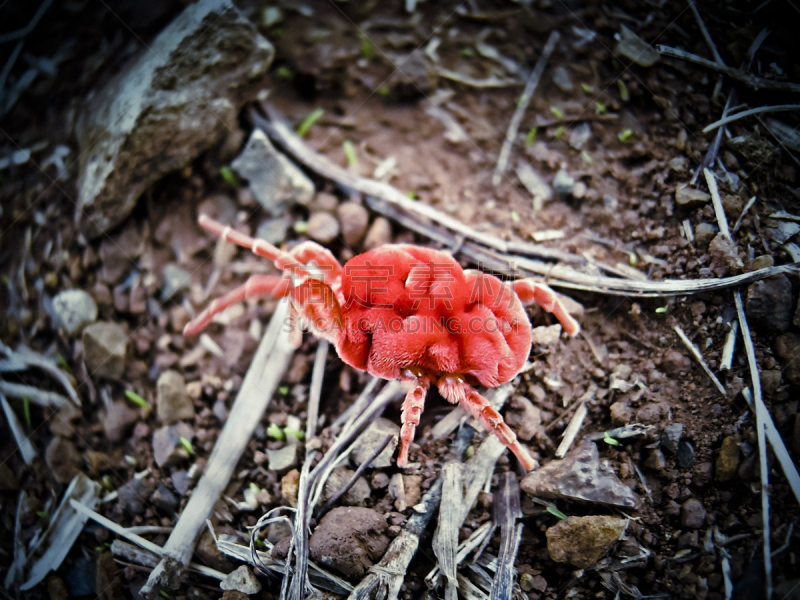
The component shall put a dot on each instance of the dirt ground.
(628, 136)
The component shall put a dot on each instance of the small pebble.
(323, 227)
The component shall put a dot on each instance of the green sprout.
(285, 72)
(187, 445)
(137, 399)
(600, 108)
(166, 595)
(228, 177)
(624, 94)
(412, 195)
(26, 410)
(306, 124)
(300, 227)
(531, 136)
(62, 363)
(383, 90)
(587, 158)
(557, 112)
(559, 131)
(366, 47)
(624, 135)
(587, 88)
(467, 52)
(350, 153)
(294, 432)
(275, 432)
(555, 512)
(43, 515)
(515, 216)
(106, 483)
(283, 390)
(661, 310)
(131, 460)
(609, 440)
(470, 451)
(632, 259)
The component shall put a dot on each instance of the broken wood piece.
(572, 430)
(263, 376)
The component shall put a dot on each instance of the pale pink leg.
(412, 409)
(529, 291)
(258, 285)
(455, 389)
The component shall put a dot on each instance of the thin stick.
(747, 113)
(705, 33)
(751, 81)
(726, 361)
(315, 390)
(572, 430)
(699, 358)
(522, 105)
(719, 211)
(23, 442)
(744, 212)
(762, 415)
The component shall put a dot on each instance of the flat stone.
(241, 580)
(728, 459)
(174, 279)
(354, 220)
(172, 401)
(74, 310)
(693, 514)
(323, 227)
(579, 135)
(177, 98)
(769, 303)
(275, 181)
(656, 461)
(357, 495)
(283, 459)
(274, 230)
(582, 541)
(534, 183)
(685, 454)
(290, 484)
(562, 79)
(671, 436)
(563, 183)
(635, 48)
(689, 196)
(167, 449)
(349, 540)
(104, 347)
(118, 418)
(524, 418)
(580, 476)
(373, 437)
(621, 412)
(379, 233)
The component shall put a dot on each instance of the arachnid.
(404, 312)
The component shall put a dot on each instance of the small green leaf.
(306, 124)
(42, 514)
(165, 595)
(555, 512)
(531, 136)
(301, 227)
(623, 136)
(106, 483)
(295, 432)
(260, 543)
(131, 460)
(187, 445)
(350, 153)
(137, 399)
(632, 259)
(470, 451)
(26, 411)
(522, 99)
(285, 72)
(587, 158)
(275, 432)
(467, 52)
(366, 47)
(412, 195)
(227, 175)
(557, 112)
(624, 94)
(283, 390)
(515, 216)
(559, 131)
(254, 487)
(62, 363)
(609, 440)
(600, 108)
(383, 90)
(100, 549)
(661, 310)
(587, 88)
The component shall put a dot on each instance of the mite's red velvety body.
(405, 312)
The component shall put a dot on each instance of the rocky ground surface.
(602, 168)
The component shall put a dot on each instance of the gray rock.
(104, 347)
(524, 418)
(562, 79)
(703, 234)
(563, 183)
(635, 48)
(283, 459)
(164, 500)
(379, 233)
(275, 181)
(323, 227)
(725, 252)
(74, 310)
(685, 454)
(693, 514)
(373, 437)
(689, 196)
(769, 303)
(671, 436)
(172, 401)
(117, 420)
(241, 580)
(274, 231)
(219, 207)
(580, 476)
(167, 449)
(787, 348)
(656, 460)
(580, 135)
(537, 186)
(148, 121)
(175, 279)
(354, 220)
(357, 495)
(349, 539)
(582, 541)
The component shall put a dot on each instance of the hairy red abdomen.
(405, 306)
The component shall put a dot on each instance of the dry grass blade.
(522, 105)
(266, 370)
(699, 358)
(747, 113)
(24, 444)
(506, 512)
(572, 430)
(23, 358)
(445, 539)
(35, 395)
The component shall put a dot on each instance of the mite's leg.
(529, 291)
(455, 389)
(276, 286)
(412, 409)
(329, 268)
